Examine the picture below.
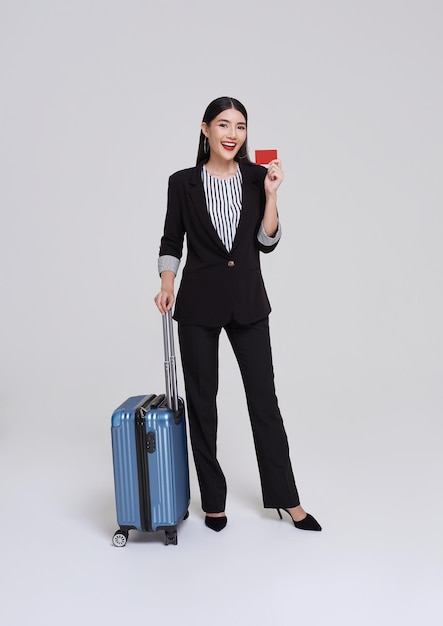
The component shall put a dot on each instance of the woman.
(227, 208)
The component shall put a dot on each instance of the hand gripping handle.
(170, 365)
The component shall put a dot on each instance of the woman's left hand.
(274, 177)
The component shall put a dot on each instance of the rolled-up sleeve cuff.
(265, 239)
(168, 263)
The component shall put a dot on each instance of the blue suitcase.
(150, 457)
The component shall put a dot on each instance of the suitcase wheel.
(171, 537)
(186, 515)
(120, 538)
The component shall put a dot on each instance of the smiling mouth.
(228, 145)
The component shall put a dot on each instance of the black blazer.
(217, 286)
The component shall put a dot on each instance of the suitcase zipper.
(141, 444)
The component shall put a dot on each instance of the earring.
(205, 145)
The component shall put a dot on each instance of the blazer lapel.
(197, 194)
(249, 197)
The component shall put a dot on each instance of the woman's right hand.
(164, 301)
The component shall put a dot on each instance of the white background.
(100, 102)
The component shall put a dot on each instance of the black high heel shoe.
(216, 523)
(307, 523)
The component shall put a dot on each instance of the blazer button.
(231, 263)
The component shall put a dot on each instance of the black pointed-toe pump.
(307, 523)
(216, 523)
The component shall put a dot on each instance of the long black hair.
(214, 108)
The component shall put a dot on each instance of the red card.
(263, 157)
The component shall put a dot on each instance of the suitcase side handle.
(170, 363)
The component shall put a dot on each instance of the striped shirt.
(224, 202)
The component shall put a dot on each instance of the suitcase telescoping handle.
(170, 365)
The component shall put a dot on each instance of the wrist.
(167, 280)
(271, 199)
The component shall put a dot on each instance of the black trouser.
(252, 348)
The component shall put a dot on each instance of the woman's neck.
(221, 169)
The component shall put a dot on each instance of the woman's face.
(226, 134)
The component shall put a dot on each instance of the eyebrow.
(229, 121)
